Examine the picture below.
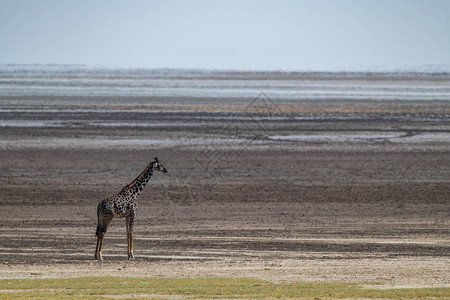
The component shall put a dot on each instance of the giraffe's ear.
(156, 159)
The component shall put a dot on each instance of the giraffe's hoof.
(131, 258)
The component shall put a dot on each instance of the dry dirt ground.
(326, 210)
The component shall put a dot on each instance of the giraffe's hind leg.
(98, 249)
(103, 222)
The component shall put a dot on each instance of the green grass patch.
(199, 288)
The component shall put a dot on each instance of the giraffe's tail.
(98, 230)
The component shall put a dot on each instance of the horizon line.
(425, 69)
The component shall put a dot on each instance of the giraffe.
(123, 205)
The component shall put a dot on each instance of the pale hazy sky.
(238, 34)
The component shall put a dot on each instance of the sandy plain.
(304, 191)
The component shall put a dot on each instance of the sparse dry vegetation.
(202, 288)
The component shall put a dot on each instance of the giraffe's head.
(159, 166)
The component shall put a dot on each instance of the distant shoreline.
(198, 72)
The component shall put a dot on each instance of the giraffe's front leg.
(130, 246)
(130, 222)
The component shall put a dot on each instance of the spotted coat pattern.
(123, 205)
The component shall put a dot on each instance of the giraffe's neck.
(136, 186)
